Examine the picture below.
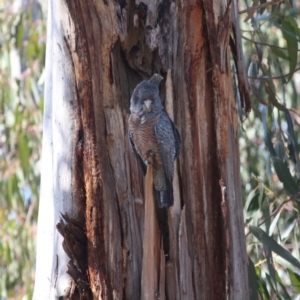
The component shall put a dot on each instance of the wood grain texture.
(151, 244)
(185, 264)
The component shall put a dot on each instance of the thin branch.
(272, 46)
(260, 263)
(259, 6)
(275, 77)
(276, 210)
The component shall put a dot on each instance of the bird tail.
(164, 198)
(162, 221)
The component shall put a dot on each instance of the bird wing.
(137, 156)
(168, 140)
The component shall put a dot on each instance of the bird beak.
(148, 104)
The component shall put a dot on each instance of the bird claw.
(149, 161)
(150, 158)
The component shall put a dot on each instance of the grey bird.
(153, 134)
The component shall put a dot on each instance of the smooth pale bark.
(97, 52)
(56, 195)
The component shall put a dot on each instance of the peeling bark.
(106, 48)
(75, 246)
(150, 282)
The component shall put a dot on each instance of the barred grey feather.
(152, 132)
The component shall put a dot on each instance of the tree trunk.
(92, 188)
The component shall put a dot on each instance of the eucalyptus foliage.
(22, 55)
(270, 148)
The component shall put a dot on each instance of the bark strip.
(151, 247)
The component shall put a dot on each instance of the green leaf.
(284, 291)
(262, 289)
(291, 140)
(252, 281)
(290, 128)
(263, 8)
(295, 279)
(248, 202)
(286, 264)
(295, 240)
(280, 53)
(294, 24)
(253, 206)
(261, 194)
(280, 152)
(292, 5)
(283, 171)
(273, 245)
(269, 258)
(24, 154)
(7, 252)
(271, 91)
(267, 136)
(289, 34)
(269, 280)
(20, 33)
(288, 226)
(274, 223)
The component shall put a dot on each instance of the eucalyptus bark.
(97, 52)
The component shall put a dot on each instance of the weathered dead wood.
(151, 245)
(81, 48)
(186, 282)
(75, 246)
(175, 211)
(112, 45)
(238, 56)
(162, 276)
